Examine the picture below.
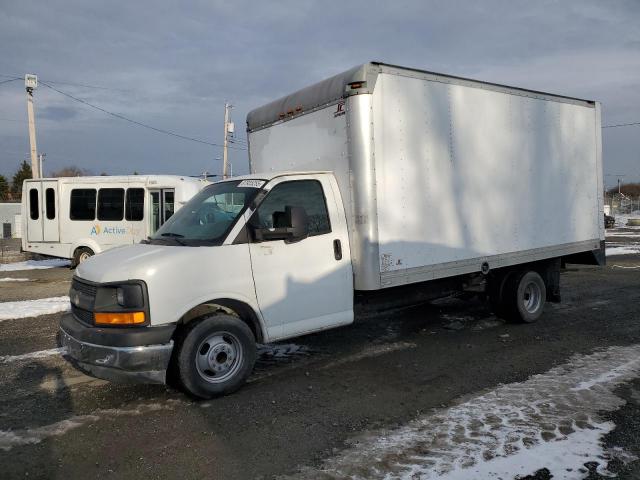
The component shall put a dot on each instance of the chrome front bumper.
(140, 364)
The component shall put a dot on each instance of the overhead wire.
(135, 122)
(621, 125)
(10, 80)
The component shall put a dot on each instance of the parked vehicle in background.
(379, 186)
(78, 217)
(609, 221)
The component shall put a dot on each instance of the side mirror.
(292, 225)
(299, 221)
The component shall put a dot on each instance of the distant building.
(10, 220)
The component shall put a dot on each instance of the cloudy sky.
(173, 64)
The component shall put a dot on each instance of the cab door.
(303, 285)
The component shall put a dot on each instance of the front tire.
(215, 356)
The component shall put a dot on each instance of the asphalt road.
(310, 399)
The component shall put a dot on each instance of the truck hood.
(135, 262)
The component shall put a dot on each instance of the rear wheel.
(215, 356)
(524, 296)
(81, 254)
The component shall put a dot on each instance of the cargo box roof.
(361, 79)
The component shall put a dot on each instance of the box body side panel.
(465, 174)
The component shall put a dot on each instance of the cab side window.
(298, 193)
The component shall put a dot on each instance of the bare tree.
(70, 171)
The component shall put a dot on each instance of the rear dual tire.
(518, 296)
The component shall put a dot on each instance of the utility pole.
(41, 164)
(228, 129)
(31, 83)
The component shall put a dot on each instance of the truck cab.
(254, 259)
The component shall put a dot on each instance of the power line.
(621, 125)
(10, 80)
(135, 122)
(83, 85)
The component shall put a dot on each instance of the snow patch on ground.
(32, 355)
(33, 308)
(617, 250)
(34, 264)
(10, 279)
(27, 436)
(549, 421)
(623, 234)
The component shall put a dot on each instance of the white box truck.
(376, 186)
(77, 217)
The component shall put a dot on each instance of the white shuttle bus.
(77, 217)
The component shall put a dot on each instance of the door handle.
(337, 249)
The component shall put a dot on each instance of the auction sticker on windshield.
(251, 183)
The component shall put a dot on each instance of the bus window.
(168, 205)
(111, 204)
(83, 204)
(34, 205)
(50, 203)
(155, 211)
(135, 204)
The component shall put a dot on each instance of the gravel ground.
(309, 399)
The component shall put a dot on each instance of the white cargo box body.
(440, 174)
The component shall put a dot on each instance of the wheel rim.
(219, 357)
(532, 297)
(84, 256)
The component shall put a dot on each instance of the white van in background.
(77, 217)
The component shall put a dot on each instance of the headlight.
(120, 305)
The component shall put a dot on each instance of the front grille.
(83, 296)
(87, 289)
(84, 316)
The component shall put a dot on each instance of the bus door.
(42, 211)
(162, 204)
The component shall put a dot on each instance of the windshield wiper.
(174, 236)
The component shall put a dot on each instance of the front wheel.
(215, 356)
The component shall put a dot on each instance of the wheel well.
(549, 270)
(229, 306)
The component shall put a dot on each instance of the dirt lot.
(311, 400)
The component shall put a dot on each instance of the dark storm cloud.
(173, 64)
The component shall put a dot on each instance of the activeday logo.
(97, 230)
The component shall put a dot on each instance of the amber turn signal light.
(128, 318)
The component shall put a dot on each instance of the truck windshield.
(208, 217)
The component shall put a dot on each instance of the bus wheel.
(80, 255)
